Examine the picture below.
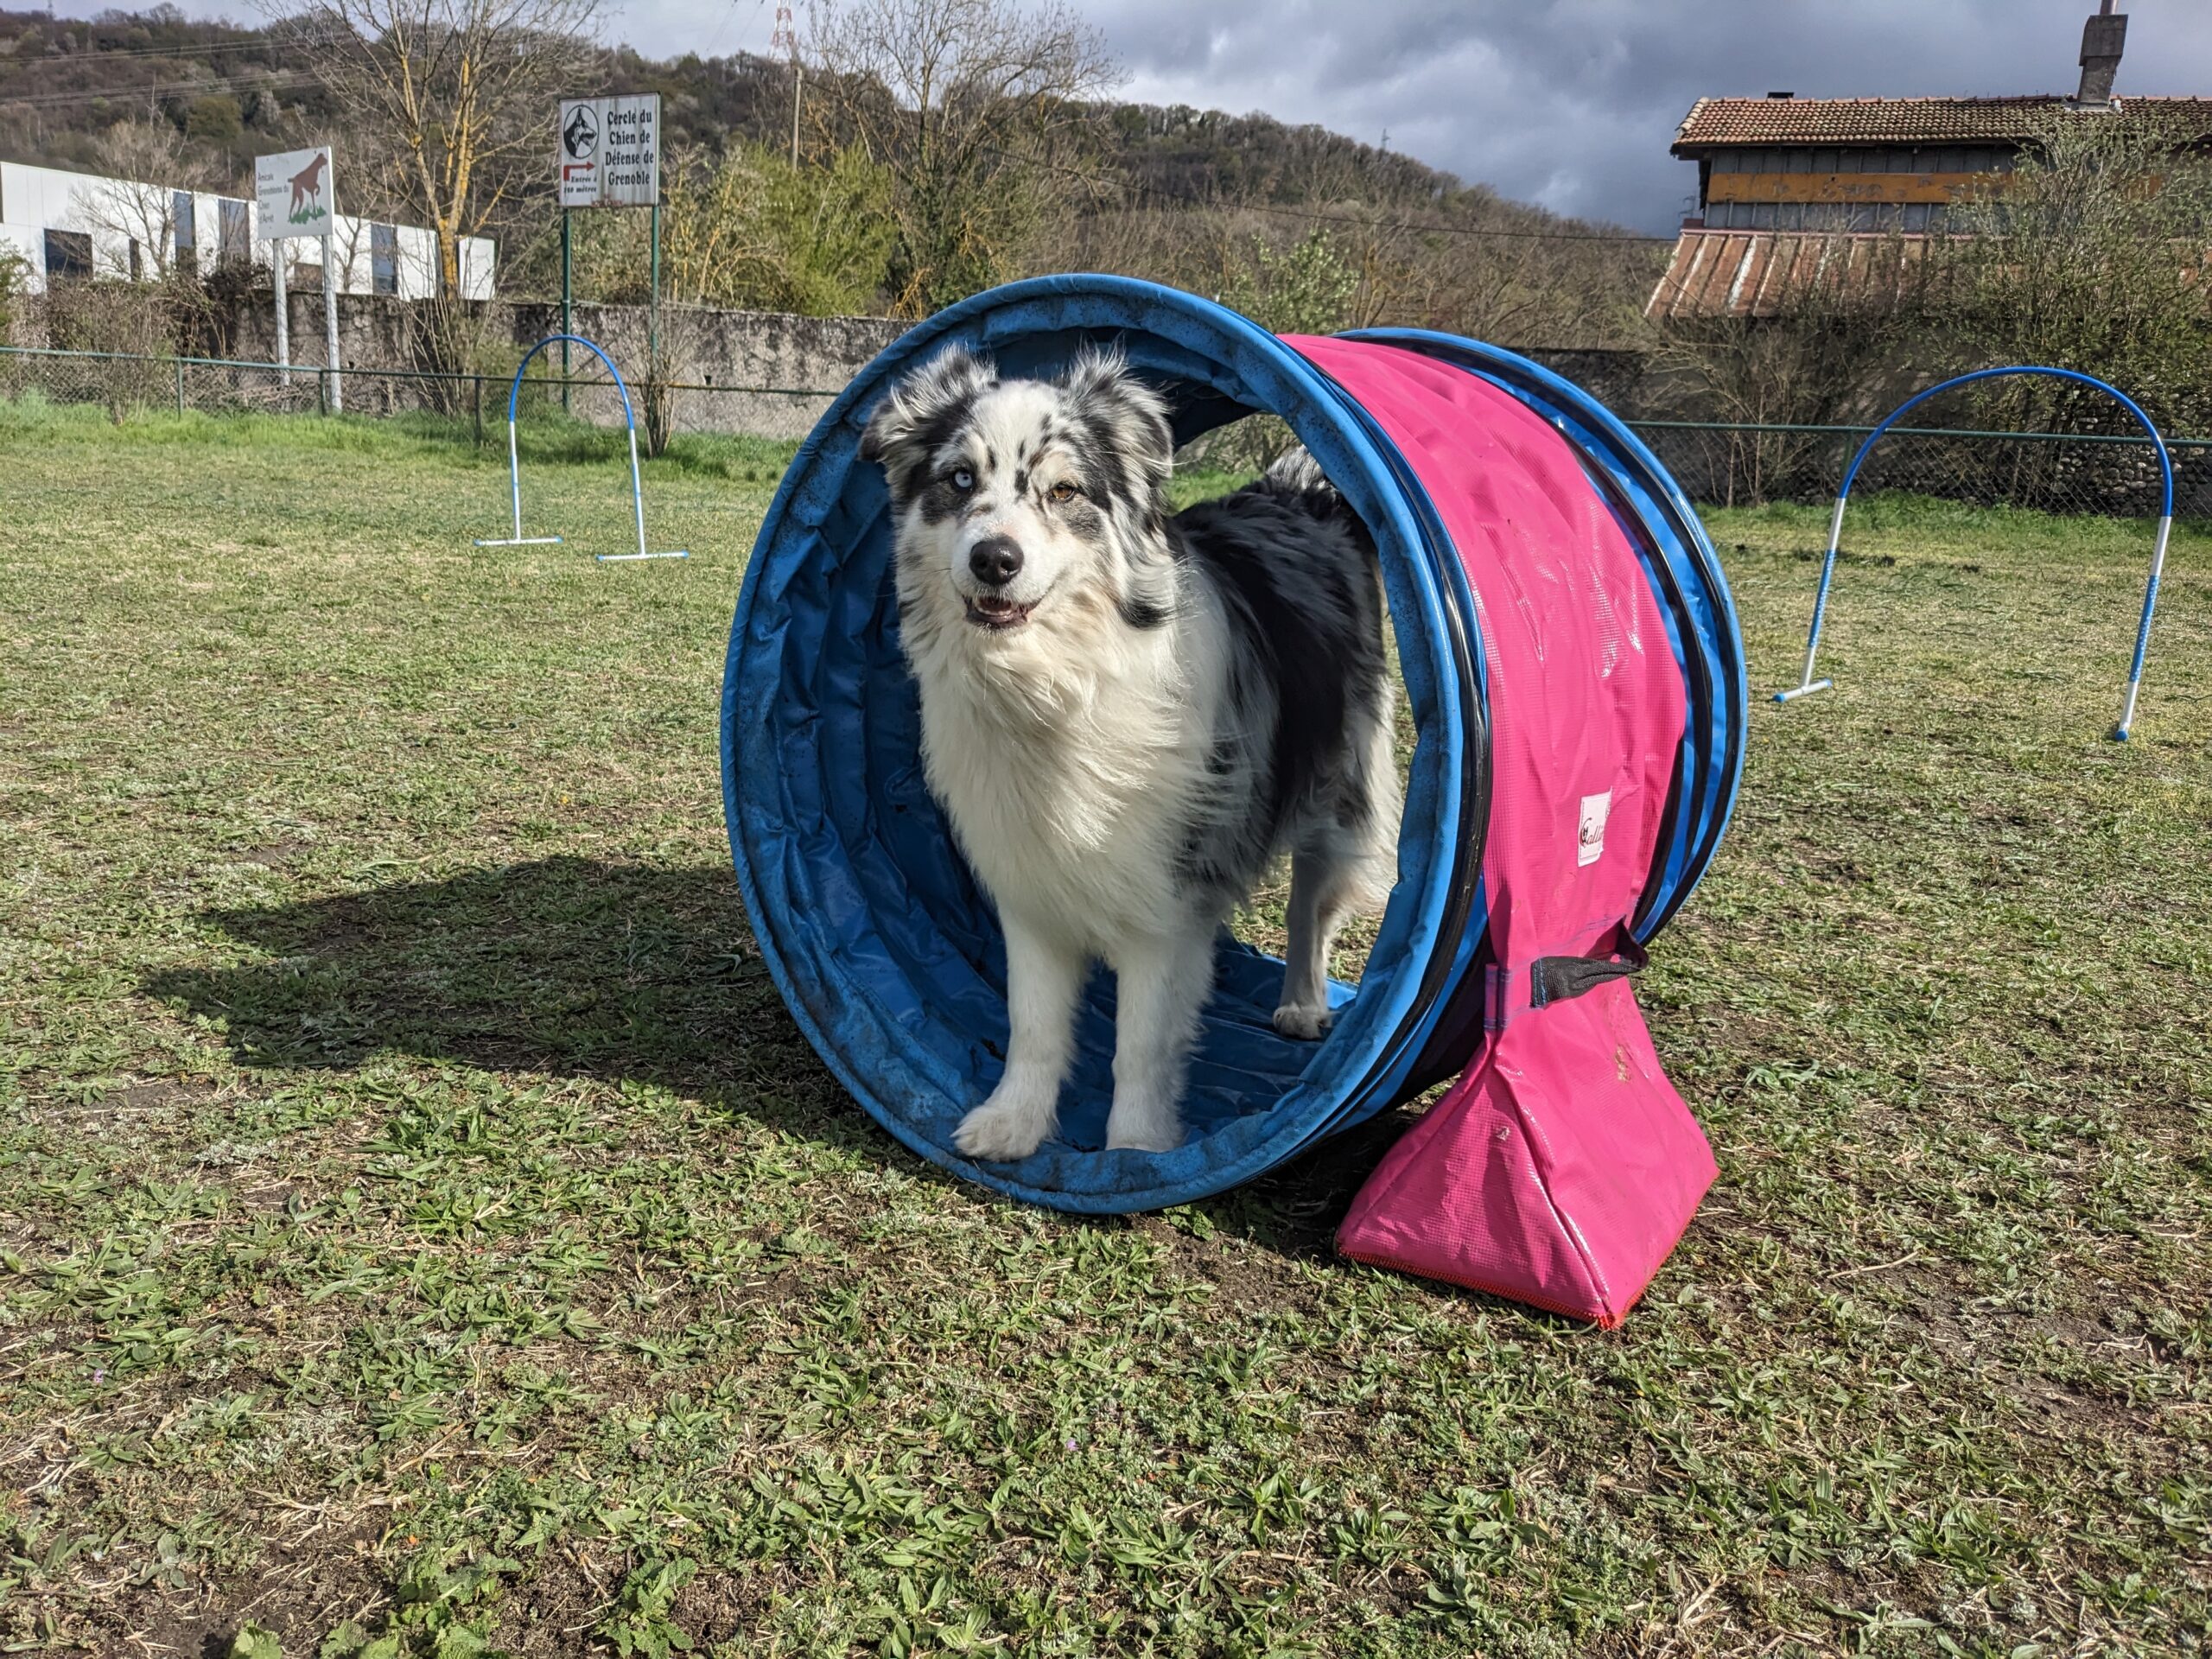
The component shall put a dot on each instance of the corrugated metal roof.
(1758, 273)
(1726, 121)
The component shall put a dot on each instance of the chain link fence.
(2108, 475)
(124, 385)
(1718, 464)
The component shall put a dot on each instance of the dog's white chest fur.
(1069, 792)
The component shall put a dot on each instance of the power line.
(256, 43)
(1478, 230)
(263, 80)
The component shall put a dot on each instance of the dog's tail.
(1297, 478)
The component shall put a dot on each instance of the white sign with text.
(607, 153)
(294, 194)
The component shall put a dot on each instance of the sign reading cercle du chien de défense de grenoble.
(608, 152)
(293, 192)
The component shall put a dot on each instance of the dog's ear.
(912, 420)
(1127, 416)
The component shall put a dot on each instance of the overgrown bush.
(1306, 288)
(15, 287)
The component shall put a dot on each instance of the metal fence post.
(180, 388)
(478, 401)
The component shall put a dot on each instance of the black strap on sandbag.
(1555, 979)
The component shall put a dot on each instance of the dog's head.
(1027, 506)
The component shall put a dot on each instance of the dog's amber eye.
(962, 479)
(1065, 493)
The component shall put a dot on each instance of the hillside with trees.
(883, 211)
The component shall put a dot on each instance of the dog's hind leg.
(1325, 886)
(1043, 978)
(1161, 987)
(1341, 866)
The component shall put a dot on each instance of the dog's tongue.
(995, 605)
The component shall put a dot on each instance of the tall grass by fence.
(1717, 463)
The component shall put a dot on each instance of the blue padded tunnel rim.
(1259, 372)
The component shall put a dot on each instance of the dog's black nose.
(995, 560)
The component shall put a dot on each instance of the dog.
(1127, 714)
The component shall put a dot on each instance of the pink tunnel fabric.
(1561, 1167)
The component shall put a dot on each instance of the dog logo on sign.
(580, 136)
(307, 191)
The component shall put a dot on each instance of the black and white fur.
(1127, 716)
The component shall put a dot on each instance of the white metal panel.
(417, 257)
(479, 256)
(44, 196)
(351, 239)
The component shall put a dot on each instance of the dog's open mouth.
(997, 613)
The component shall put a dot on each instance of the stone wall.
(755, 371)
(759, 372)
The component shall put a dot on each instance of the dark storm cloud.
(1570, 103)
(1573, 102)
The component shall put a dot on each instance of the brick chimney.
(2102, 39)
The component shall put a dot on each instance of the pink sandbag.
(1561, 1167)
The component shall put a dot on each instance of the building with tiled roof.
(1795, 189)
(1717, 124)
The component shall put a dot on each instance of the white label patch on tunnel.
(1590, 838)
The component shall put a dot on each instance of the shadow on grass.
(565, 966)
(619, 973)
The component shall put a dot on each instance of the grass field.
(423, 1232)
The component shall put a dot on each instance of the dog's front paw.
(1002, 1131)
(1146, 1126)
(1294, 1020)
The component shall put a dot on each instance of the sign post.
(567, 302)
(608, 155)
(330, 318)
(293, 197)
(277, 260)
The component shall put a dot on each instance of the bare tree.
(980, 110)
(447, 103)
(146, 164)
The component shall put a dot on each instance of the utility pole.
(786, 39)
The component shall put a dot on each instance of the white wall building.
(80, 224)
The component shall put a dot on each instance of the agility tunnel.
(1577, 680)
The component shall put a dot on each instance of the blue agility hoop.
(1807, 685)
(514, 461)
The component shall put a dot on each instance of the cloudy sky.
(1569, 103)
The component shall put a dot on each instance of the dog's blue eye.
(962, 478)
